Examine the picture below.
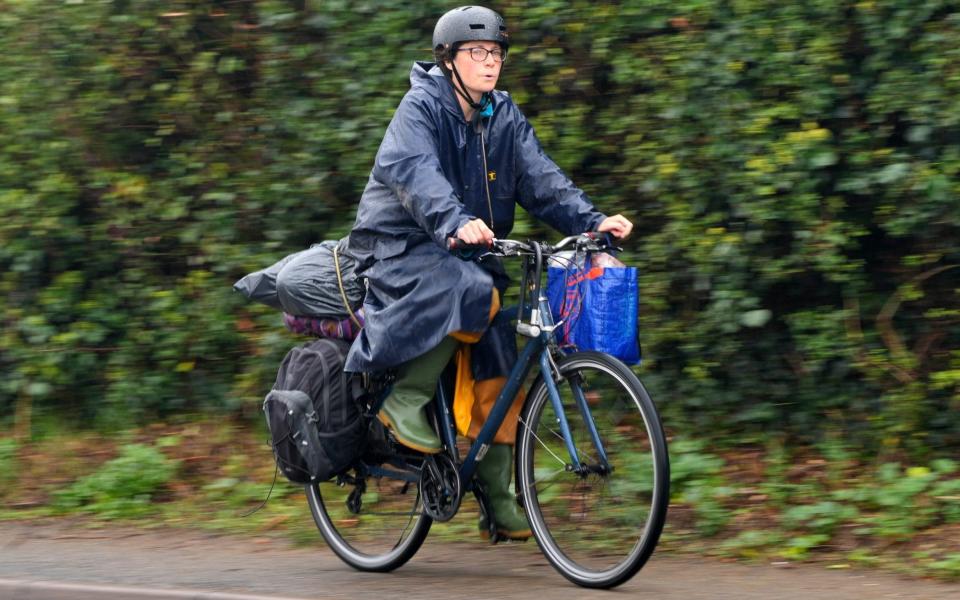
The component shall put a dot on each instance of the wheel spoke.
(541, 442)
(559, 435)
(549, 479)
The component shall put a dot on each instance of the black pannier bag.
(316, 426)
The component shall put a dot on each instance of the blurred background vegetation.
(793, 170)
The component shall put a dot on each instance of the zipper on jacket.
(486, 172)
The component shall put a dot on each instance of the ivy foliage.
(792, 169)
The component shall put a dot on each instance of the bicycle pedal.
(492, 537)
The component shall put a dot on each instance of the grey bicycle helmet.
(469, 23)
(465, 24)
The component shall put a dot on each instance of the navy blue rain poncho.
(427, 182)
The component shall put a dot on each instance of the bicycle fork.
(549, 370)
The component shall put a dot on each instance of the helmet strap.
(462, 90)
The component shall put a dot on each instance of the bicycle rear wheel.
(380, 532)
(596, 529)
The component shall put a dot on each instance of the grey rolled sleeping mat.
(305, 283)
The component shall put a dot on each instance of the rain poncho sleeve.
(408, 164)
(545, 191)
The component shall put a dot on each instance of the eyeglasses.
(480, 54)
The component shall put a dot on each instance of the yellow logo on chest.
(492, 175)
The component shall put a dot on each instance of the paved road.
(110, 563)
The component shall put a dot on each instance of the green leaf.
(756, 318)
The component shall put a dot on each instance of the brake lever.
(603, 241)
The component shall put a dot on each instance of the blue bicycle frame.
(539, 349)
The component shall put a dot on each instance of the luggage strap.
(343, 294)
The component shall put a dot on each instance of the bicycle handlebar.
(592, 240)
(535, 255)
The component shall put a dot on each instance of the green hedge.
(792, 169)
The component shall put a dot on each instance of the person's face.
(478, 76)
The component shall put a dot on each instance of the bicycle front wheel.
(599, 526)
(377, 526)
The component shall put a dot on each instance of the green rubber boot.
(404, 410)
(495, 472)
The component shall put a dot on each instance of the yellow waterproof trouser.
(474, 399)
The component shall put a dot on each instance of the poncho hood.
(426, 77)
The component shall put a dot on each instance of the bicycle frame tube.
(408, 476)
(588, 419)
(546, 371)
(502, 405)
(448, 430)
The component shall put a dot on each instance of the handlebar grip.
(458, 244)
(604, 237)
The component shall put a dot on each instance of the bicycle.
(592, 468)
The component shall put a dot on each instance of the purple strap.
(329, 328)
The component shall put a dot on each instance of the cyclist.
(455, 159)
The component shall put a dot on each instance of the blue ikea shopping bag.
(598, 308)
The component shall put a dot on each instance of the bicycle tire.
(589, 548)
(383, 535)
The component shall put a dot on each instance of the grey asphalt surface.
(50, 562)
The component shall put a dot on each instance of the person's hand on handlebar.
(618, 225)
(476, 233)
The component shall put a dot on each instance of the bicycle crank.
(440, 487)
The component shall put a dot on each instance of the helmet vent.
(478, 26)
